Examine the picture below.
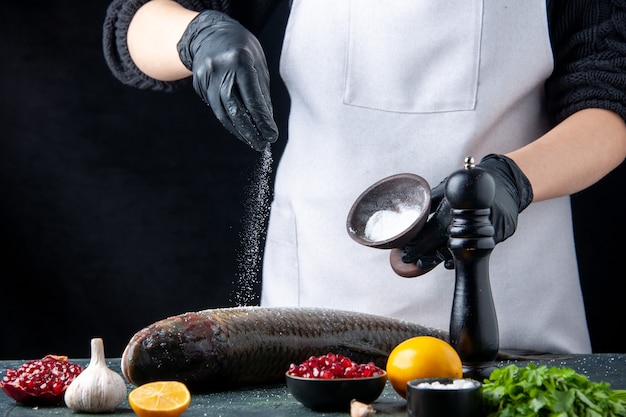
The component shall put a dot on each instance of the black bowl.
(396, 193)
(335, 394)
(428, 401)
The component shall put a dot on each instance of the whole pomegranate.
(40, 382)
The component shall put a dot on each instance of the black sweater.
(588, 41)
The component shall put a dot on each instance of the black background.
(119, 207)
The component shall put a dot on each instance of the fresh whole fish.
(224, 348)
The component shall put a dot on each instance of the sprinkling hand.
(230, 74)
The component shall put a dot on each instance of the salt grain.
(456, 384)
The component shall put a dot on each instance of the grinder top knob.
(470, 188)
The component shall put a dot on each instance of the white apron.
(378, 88)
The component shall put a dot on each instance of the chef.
(535, 91)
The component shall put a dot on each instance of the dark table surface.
(276, 401)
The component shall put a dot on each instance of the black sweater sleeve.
(589, 46)
(119, 14)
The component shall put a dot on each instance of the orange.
(160, 399)
(422, 357)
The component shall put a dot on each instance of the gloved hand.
(230, 74)
(512, 195)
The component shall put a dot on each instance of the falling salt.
(257, 208)
(385, 224)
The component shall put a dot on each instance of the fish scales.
(223, 348)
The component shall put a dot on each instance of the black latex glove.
(230, 74)
(513, 194)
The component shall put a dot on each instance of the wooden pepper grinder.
(473, 323)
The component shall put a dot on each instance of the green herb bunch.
(532, 390)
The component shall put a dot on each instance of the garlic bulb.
(97, 389)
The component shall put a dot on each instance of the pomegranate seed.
(333, 366)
